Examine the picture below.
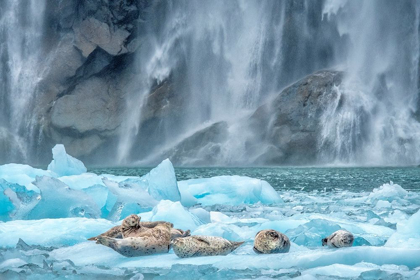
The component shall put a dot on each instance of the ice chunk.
(408, 234)
(59, 201)
(202, 214)
(15, 201)
(126, 198)
(82, 181)
(311, 233)
(230, 232)
(187, 199)
(175, 213)
(6, 205)
(230, 190)
(99, 194)
(12, 263)
(51, 232)
(64, 164)
(161, 182)
(388, 192)
(136, 195)
(23, 174)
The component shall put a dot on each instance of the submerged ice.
(48, 215)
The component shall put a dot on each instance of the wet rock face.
(89, 63)
(290, 124)
(201, 148)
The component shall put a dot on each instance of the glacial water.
(298, 178)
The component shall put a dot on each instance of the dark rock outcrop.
(89, 67)
(289, 125)
(284, 131)
(201, 148)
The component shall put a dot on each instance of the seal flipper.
(236, 244)
(106, 241)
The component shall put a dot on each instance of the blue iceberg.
(229, 190)
(64, 164)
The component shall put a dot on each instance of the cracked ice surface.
(47, 218)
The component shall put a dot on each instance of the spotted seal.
(114, 232)
(131, 226)
(200, 245)
(151, 241)
(270, 241)
(340, 238)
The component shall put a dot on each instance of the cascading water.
(371, 121)
(203, 62)
(228, 56)
(21, 33)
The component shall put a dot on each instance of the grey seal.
(270, 241)
(340, 238)
(152, 241)
(200, 245)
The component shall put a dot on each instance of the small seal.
(340, 238)
(200, 245)
(270, 241)
(151, 241)
(131, 227)
(114, 232)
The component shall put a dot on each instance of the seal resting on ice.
(152, 241)
(131, 226)
(340, 238)
(200, 245)
(270, 241)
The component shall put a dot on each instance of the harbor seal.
(270, 241)
(114, 232)
(152, 241)
(340, 238)
(199, 245)
(132, 225)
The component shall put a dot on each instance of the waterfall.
(21, 33)
(168, 70)
(374, 123)
(228, 58)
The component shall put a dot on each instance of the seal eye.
(274, 234)
(324, 241)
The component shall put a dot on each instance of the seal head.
(270, 242)
(339, 239)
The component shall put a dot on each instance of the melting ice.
(48, 215)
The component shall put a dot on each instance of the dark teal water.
(295, 178)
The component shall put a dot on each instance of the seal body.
(152, 241)
(340, 238)
(270, 242)
(200, 245)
